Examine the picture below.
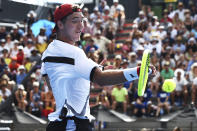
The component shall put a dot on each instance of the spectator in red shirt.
(14, 65)
(20, 55)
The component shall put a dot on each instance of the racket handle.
(150, 71)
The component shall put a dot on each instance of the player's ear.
(60, 24)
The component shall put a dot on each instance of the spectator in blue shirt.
(162, 99)
(21, 75)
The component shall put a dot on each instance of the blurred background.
(118, 31)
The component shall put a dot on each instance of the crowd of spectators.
(171, 40)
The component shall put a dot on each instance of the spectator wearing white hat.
(3, 45)
(36, 104)
(20, 55)
(133, 62)
(28, 48)
(114, 7)
(94, 15)
(181, 88)
(142, 17)
(20, 96)
(21, 74)
(87, 28)
(102, 42)
(161, 32)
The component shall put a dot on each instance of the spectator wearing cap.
(155, 43)
(94, 15)
(21, 74)
(119, 17)
(179, 44)
(28, 48)
(167, 72)
(118, 60)
(180, 11)
(161, 32)
(97, 26)
(106, 13)
(181, 88)
(20, 96)
(36, 103)
(147, 34)
(140, 18)
(13, 65)
(15, 35)
(133, 62)
(3, 45)
(114, 7)
(31, 18)
(102, 42)
(177, 55)
(102, 5)
(20, 55)
(191, 44)
(86, 13)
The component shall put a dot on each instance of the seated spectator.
(91, 45)
(49, 103)
(139, 107)
(192, 61)
(14, 65)
(6, 56)
(20, 95)
(181, 88)
(20, 55)
(177, 129)
(35, 57)
(119, 96)
(21, 74)
(194, 84)
(167, 72)
(4, 92)
(103, 99)
(162, 102)
(36, 103)
(41, 40)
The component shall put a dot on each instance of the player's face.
(72, 27)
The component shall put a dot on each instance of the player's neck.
(66, 40)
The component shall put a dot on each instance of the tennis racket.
(144, 71)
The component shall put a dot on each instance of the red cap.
(64, 10)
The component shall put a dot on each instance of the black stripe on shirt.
(92, 73)
(56, 59)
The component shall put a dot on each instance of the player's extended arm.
(113, 77)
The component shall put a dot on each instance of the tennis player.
(69, 72)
